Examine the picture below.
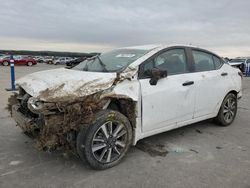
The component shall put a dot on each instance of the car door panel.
(166, 103)
(206, 98)
(17, 60)
(211, 85)
(172, 99)
(22, 61)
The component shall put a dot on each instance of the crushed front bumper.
(27, 124)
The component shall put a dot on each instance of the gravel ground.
(199, 155)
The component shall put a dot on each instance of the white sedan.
(108, 102)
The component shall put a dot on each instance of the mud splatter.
(11, 101)
(152, 149)
(198, 131)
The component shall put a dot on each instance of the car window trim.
(191, 49)
(141, 66)
(221, 62)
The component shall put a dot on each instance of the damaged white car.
(109, 102)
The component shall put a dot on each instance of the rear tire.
(105, 142)
(29, 63)
(228, 110)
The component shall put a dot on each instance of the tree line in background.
(48, 53)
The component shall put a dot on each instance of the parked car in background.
(240, 62)
(18, 60)
(39, 59)
(49, 59)
(75, 61)
(107, 103)
(4, 57)
(63, 60)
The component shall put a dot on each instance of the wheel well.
(125, 106)
(233, 92)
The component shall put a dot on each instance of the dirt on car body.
(57, 124)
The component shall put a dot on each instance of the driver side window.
(173, 61)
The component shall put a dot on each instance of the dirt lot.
(199, 155)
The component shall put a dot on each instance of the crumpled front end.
(55, 125)
(54, 113)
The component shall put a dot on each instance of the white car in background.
(240, 62)
(106, 103)
(48, 59)
(62, 60)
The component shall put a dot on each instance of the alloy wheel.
(229, 110)
(109, 142)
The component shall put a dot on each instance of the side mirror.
(157, 74)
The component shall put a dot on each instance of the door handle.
(224, 74)
(188, 83)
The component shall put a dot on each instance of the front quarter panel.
(129, 90)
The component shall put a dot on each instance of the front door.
(171, 100)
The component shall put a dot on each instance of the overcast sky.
(222, 26)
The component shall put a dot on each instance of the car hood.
(65, 84)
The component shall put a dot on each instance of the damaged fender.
(57, 111)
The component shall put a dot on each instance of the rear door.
(17, 60)
(172, 99)
(210, 82)
(22, 60)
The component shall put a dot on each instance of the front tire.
(228, 110)
(5, 63)
(104, 143)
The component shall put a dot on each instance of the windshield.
(112, 61)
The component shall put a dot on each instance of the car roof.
(143, 47)
(154, 46)
(159, 47)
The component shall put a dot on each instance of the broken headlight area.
(21, 99)
(36, 106)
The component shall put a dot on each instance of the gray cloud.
(212, 24)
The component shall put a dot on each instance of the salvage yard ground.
(199, 155)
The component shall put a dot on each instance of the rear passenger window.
(203, 61)
(217, 62)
